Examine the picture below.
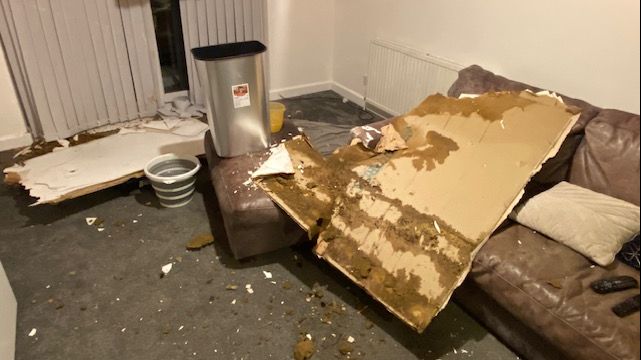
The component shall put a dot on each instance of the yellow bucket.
(276, 116)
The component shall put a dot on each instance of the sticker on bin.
(241, 95)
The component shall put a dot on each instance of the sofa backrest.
(476, 80)
(601, 153)
(607, 160)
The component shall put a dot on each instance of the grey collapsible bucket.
(172, 177)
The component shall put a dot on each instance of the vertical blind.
(79, 64)
(212, 22)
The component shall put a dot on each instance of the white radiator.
(399, 77)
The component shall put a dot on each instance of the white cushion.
(591, 223)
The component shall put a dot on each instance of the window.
(171, 48)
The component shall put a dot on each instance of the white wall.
(13, 131)
(584, 49)
(300, 45)
(8, 313)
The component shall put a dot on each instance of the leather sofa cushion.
(607, 161)
(253, 223)
(546, 285)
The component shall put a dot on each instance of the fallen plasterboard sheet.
(86, 168)
(298, 194)
(405, 225)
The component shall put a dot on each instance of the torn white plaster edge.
(165, 123)
(182, 127)
(547, 93)
(279, 162)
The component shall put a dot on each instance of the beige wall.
(585, 49)
(301, 42)
(8, 313)
(13, 132)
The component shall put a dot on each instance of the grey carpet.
(99, 295)
(328, 107)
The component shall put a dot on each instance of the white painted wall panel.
(584, 49)
(13, 128)
(8, 314)
(301, 46)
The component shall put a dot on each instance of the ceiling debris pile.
(68, 172)
(183, 108)
(405, 218)
(199, 242)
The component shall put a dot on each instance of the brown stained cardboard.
(391, 140)
(305, 195)
(406, 225)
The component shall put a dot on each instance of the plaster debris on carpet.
(304, 349)
(77, 168)
(166, 268)
(200, 241)
(404, 216)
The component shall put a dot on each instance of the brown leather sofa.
(532, 292)
(253, 223)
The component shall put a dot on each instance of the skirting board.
(299, 90)
(348, 94)
(15, 141)
(342, 90)
(359, 99)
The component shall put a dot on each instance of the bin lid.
(226, 51)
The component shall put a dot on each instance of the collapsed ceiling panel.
(405, 221)
(72, 171)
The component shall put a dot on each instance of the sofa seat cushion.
(253, 223)
(545, 285)
(607, 161)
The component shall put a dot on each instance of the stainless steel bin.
(233, 79)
